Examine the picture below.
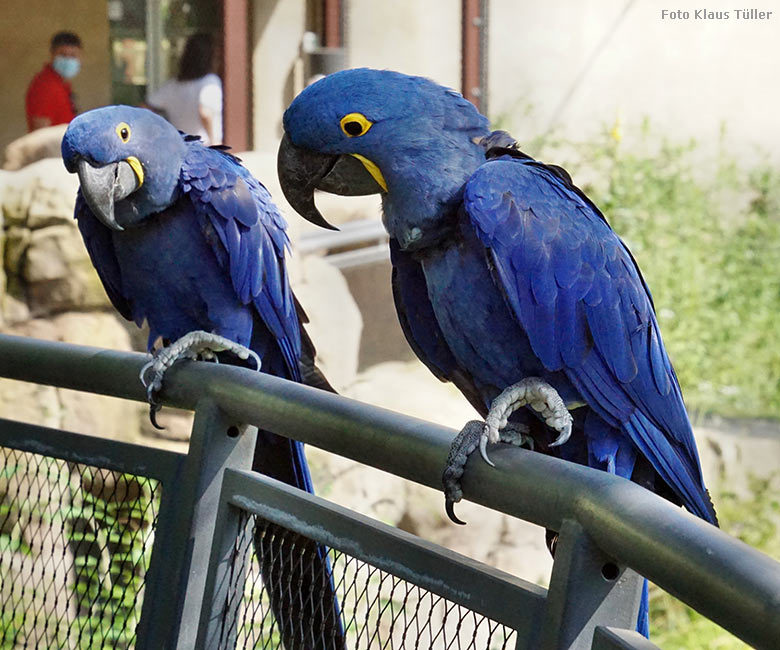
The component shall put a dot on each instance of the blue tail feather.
(296, 570)
(643, 618)
(609, 450)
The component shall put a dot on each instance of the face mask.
(66, 66)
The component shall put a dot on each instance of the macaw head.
(128, 161)
(368, 131)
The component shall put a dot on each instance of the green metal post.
(216, 443)
(587, 589)
(172, 603)
(611, 638)
(216, 622)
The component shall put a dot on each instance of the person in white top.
(192, 102)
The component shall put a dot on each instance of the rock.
(41, 194)
(335, 322)
(410, 388)
(6, 178)
(2, 256)
(734, 450)
(59, 274)
(17, 240)
(29, 403)
(16, 200)
(52, 203)
(178, 428)
(364, 489)
(34, 146)
(509, 544)
(14, 310)
(101, 329)
(45, 257)
(97, 415)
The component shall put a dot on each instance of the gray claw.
(144, 369)
(190, 346)
(563, 436)
(536, 394)
(462, 447)
(256, 358)
(483, 440)
(474, 436)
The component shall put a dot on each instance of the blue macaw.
(184, 238)
(507, 279)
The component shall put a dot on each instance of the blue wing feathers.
(251, 240)
(577, 292)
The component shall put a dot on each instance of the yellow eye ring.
(123, 131)
(355, 124)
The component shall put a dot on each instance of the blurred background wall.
(26, 29)
(576, 66)
(563, 66)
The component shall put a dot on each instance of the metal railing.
(195, 591)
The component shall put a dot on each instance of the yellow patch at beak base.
(137, 167)
(372, 169)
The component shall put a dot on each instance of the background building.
(562, 66)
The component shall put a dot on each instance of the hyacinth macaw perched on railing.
(507, 280)
(184, 238)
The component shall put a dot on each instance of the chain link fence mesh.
(377, 609)
(75, 544)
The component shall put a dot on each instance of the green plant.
(110, 554)
(753, 519)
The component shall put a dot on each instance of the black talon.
(551, 537)
(154, 408)
(449, 507)
(462, 447)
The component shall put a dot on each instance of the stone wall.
(52, 291)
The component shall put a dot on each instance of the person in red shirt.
(49, 99)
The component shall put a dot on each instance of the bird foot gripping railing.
(139, 547)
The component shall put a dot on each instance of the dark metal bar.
(213, 617)
(237, 67)
(587, 588)
(505, 598)
(214, 446)
(724, 579)
(361, 231)
(158, 464)
(93, 370)
(158, 612)
(183, 545)
(610, 638)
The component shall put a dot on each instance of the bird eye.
(123, 131)
(355, 124)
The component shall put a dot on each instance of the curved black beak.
(102, 187)
(301, 171)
